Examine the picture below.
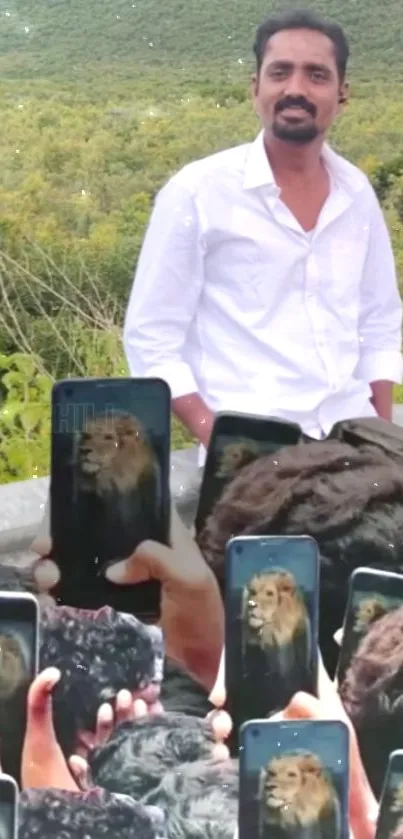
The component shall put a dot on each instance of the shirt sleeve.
(166, 291)
(380, 323)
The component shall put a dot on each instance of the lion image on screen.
(235, 456)
(297, 798)
(277, 638)
(368, 611)
(117, 487)
(13, 669)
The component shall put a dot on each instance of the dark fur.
(98, 654)
(139, 753)
(52, 814)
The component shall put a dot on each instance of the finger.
(123, 707)
(46, 574)
(218, 694)
(221, 724)
(42, 545)
(39, 702)
(220, 753)
(140, 709)
(129, 571)
(80, 771)
(157, 709)
(104, 724)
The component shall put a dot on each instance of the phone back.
(8, 807)
(390, 818)
(272, 587)
(294, 779)
(236, 440)
(372, 594)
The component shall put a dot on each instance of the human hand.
(192, 615)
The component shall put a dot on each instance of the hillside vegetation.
(61, 37)
(94, 120)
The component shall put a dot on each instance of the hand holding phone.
(294, 780)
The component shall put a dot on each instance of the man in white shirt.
(266, 282)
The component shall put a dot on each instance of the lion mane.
(295, 792)
(369, 611)
(13, 670)
(235, 456)
(273, 610)
(113, 455)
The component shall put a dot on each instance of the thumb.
(39, 703)
(128, 572)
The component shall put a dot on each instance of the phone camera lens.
(255, 733)
(238, 549)
(69, 392)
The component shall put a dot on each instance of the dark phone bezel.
(145, 603)
(239, 425)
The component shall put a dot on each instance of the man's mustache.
(295, 102)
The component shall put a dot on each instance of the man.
(266, 283)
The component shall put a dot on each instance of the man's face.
(297, 92)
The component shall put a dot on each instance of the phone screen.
(8, 807)
(294, 775)
(372, 595)
(390, 816)
(271, 648)
(236, 440)
(109, 484)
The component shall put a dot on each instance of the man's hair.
(51, 813)
(200, 800)
(98, 654)
(349, 500)
(302, 19)
(372, 694)
(139, 753)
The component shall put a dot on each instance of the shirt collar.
(258, 171)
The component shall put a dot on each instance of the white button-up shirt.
(234, 300)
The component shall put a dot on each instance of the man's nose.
(296, 85)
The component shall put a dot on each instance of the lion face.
(112, 450)
(12, 665)
(294, 782)
(234, 457)
(368, 611)
(267, 594)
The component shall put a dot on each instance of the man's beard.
(296, 134)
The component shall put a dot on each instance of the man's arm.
(380, 325)
(163, 302)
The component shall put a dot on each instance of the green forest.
(101, 102)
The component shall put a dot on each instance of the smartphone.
(236, 440)
(8, 807)
(372, 594)
(294, 779)
(371, 432)
(390, 816)
(19, 653)
(271, 635)
(109, 485)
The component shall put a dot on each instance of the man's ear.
(344, 94)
